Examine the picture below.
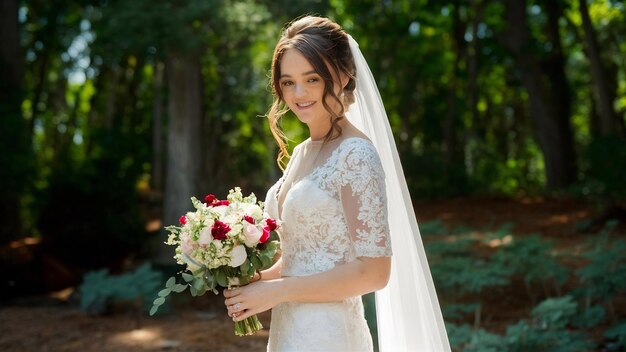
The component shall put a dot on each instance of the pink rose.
(252, 235)
(182, 220)
(219, 230)
(205, 237)
(186, 244)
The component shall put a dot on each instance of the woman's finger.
(243, 315)
(235, 308)
(231, 293)
(232, 300)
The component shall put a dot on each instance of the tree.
(602, 92)
(15, 146)
(548, 90)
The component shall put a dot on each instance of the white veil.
(408, 313)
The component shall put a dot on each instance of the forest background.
(114, 113)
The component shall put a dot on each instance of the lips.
(305, 105)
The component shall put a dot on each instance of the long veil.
(408, 313)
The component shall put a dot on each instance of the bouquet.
(223, 243)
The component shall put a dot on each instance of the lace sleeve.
(364, 200)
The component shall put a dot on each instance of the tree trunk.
(602, 94)
(15, 143)
(450, 122)
(157, 130)
(548, 93)
(184, 142)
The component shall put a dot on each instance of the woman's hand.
(254, 298)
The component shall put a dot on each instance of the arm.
(274, 272)
(361, 276)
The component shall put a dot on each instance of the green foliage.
(469, 275)
(456, 312)
(434, 227)
(590, 317)
(617, 332)
(463, 271)
(604, 277)
(547, 331)
(466, 338)
(100, 289)
(606, 181)
(90, 212)
(531, 257)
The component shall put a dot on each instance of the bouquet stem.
(248, 326)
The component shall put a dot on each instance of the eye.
(286, 83)
(313, 80)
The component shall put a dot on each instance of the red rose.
(266, 235)
(210, 199)
(221, 202)
(219, 230)
(249, 219)
(272, 224)
(182, 220)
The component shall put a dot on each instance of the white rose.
(253, 210)
(251, 235)
(238, 256)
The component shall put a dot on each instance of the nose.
(299, 90)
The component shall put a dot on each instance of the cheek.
(286, 95)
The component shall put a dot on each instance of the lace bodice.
(333, 214)
(332, 211)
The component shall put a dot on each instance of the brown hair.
(324, 44)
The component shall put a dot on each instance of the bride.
(338, 229)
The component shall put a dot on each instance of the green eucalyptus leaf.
(179, 288)
(266, 260)
(159, 301)
(221, 278)
(170, 282)
(153, 310)
(198, 284)
(187, 277)
(256, 262)
(164, 292)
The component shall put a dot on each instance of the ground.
(53, 323)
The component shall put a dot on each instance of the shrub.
(99, 289)
(531, 257)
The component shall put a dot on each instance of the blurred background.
(509, 116)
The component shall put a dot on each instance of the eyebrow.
(304, 74)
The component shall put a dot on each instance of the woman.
(333, 206)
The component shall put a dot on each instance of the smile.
(305, 105)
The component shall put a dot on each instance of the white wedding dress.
(332, 204)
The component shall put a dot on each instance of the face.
(303, 90)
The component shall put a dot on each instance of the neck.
(319, 132)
